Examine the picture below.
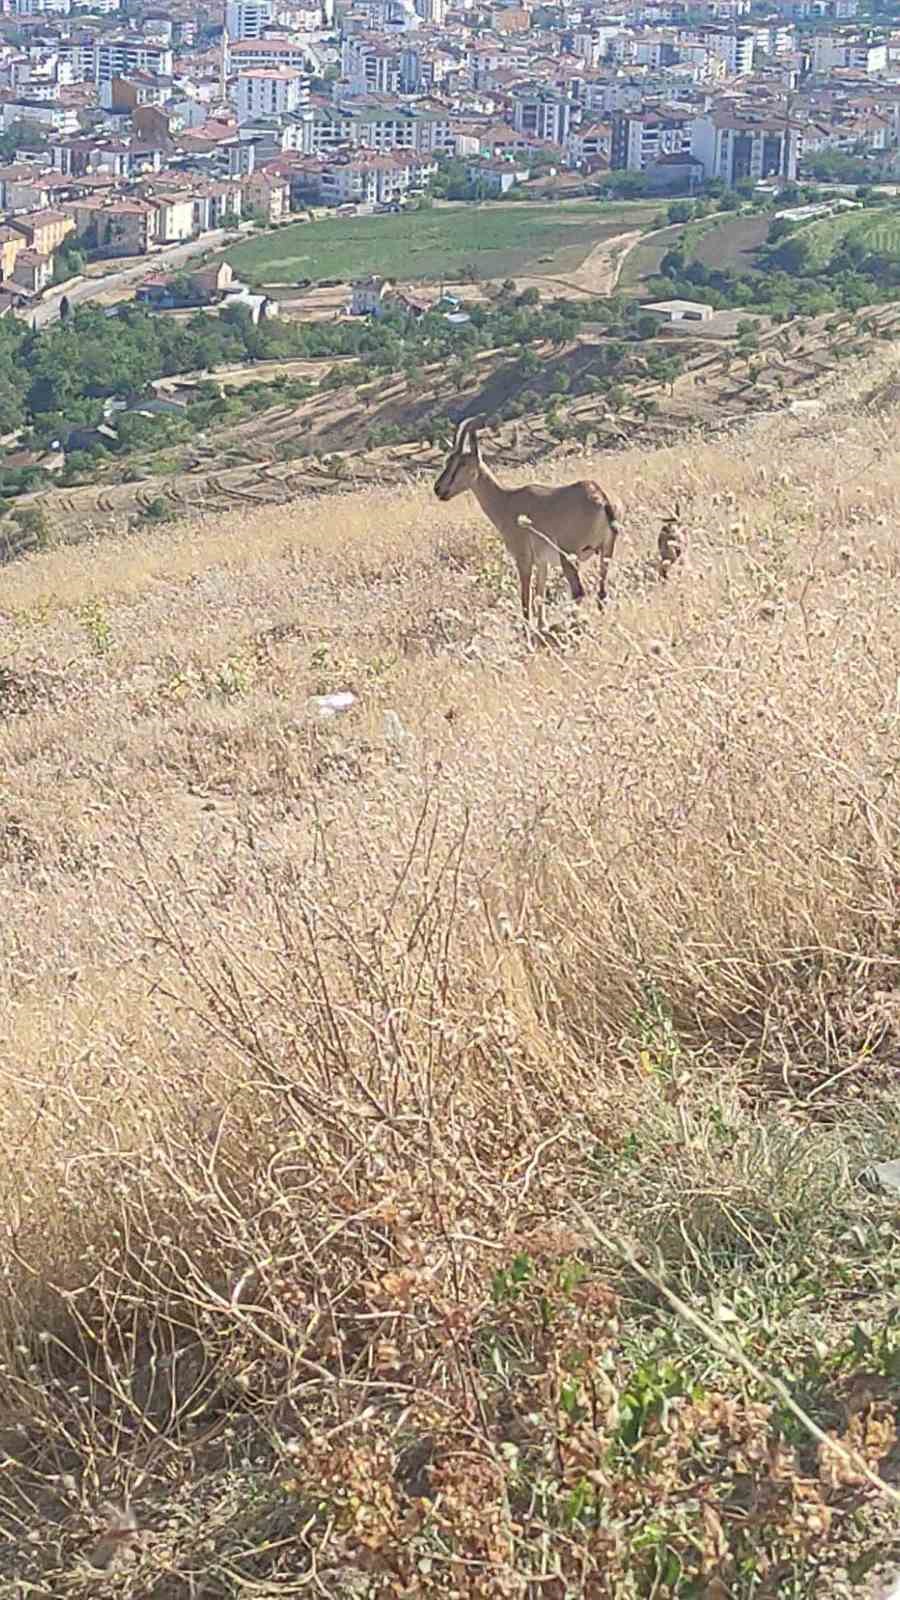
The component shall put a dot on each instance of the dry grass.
(320, 1041)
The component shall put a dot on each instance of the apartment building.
(640, 138)
(370, 65)
(122, 57)
(381, 126)
(832, 52)
(736, 148)
(270, 92)
(734, 47)
(43, 231)
(283, 54)
(247, 19)
(216, 205)
(543, 115)
(364, 179)
(268, 194)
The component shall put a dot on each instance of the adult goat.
(540, 526)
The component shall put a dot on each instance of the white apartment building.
(281, 53)
(371, 65)
(379, 127)
(371, 179)
(270, 92)
(122, 57)
(55, 118)
(432, 11)
(733, 46)
(246, 19)
(40, 8)
(838, 50)
(736, 148)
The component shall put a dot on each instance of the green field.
(877, 230)
(498, 241)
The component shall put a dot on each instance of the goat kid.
(540, 526)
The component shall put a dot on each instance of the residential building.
(859, 54)
(282, 54)
(32, 271)
(124, 55)
(216, 205)
(734, 148)
(247, 19)
(543, 115)
(734, 47)
(123, 228)
(495, 177)
(364, 178)
(268, 194)
(270, 92)
(639, 138)
(11, 246)
(174, 216)
(371, 65)
(43, 231)
(380, 125)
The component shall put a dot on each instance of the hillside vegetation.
(380, 1090)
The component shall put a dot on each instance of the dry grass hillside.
(432, 1136)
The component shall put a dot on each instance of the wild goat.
(672, 542)
(538, 525)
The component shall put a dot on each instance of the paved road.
(90, 288)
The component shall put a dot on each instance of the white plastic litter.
(330, 705)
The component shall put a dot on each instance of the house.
(680, 310)
(44, 231)
(214, 281)
(32, 271)
(125, 228)
(216, 205)
(494, 177)
(175, 216)
(267, 193)
(368, 297)
(11, 244)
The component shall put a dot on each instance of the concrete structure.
(680, 310)
(44, 231)
(246, 19)
(543, 115)
(734, 148)
(269, 92)
(639, 138)
(123, 56)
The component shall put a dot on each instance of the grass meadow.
(432, 1136)
(439, 243)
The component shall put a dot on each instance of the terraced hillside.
(318, 446)
(432, 1132)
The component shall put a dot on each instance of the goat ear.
(460, 434)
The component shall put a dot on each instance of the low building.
(680, 310)
(368, 297)
(44, 231)
(33, 271)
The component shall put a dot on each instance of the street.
(91, 288)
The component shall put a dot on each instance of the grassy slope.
(500, 240)
(877, 229)
(316, 1037)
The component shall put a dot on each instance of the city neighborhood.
(129, 131)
